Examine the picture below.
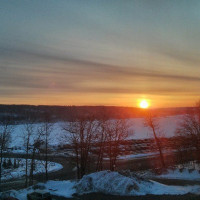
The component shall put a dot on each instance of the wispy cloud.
(99, 48)
(68, 74)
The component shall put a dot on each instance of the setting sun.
(144, 104)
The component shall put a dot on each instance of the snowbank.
(112, 183)
(115, 183)
(109, 183)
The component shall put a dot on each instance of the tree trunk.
(1, 159)
(26, 168)
(77, 163)
(46, 159)
(32, 168)
(159, 148)
(1, 165)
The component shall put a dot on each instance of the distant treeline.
(22, 113)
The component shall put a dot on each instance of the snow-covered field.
(138, 131)
(167, 125)
(20, 171)
(17, 137)
(109, 183)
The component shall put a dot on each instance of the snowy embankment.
(109, 183)
(141, 155)
(58, 135)
(186, 171)
(118, 184)
(20, 170)
(183, 175)
(135, 156)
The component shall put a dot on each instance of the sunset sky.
(100, 52)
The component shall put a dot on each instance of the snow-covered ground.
(137, 131)
(167, 125)
(109, 183)
(133, 156)
(184, 175)
(115, 183)
(186, 171)
(17, 137)
(20, 171)
(139, 155)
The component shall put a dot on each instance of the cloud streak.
(77, 66)
(106, 49)
(83, 76)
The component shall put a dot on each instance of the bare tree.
(153, 124)
(44, 131)
(117, 131)
(81, 133)
(101, 141)
(190, 128)
(35, 148)
(27, 136)
(5, 134)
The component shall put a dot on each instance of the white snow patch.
(20, 171)
(58, 188)
(109, 183)
(168, 125)
(17, 141)
(115, 183)
(61, 188)
(184, 175)
(139, 155)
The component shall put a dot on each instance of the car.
(39, 195)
